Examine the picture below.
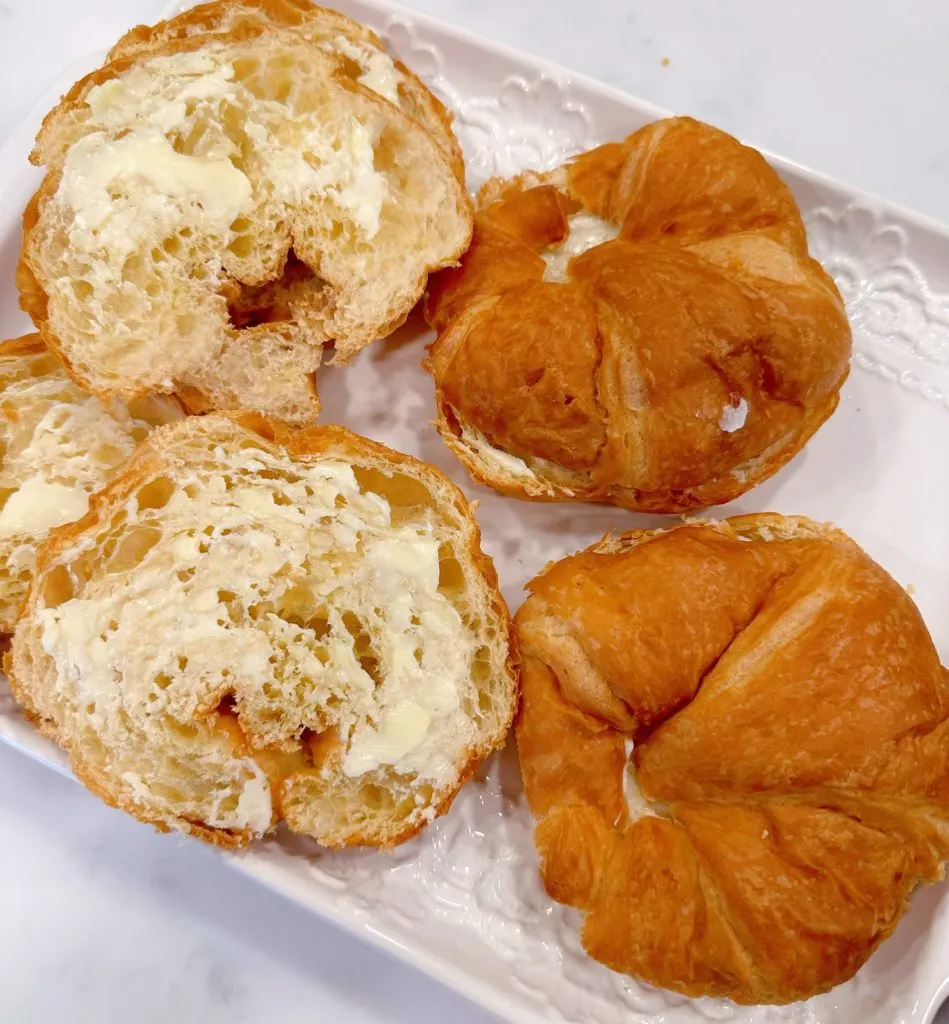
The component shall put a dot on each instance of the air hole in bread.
(155, 494)
(401, 492)
(308, 739)
(226, 706)
(318, 747)
(376, 798)
(133, 548)
(81, 568)
(233, 605)
(319, 623)
(451, 577)
(273, 302)
(363, 647)
(299, 606)
(57, 587)
(44, 366)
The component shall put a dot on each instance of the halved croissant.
(735, 739)
(254, 624)
(642, 326)
(220, 205)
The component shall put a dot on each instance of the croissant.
(254, 625)
(735, 740)
(229, 194)
(643, 327)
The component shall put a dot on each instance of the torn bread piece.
(255, 625)
(219, 208)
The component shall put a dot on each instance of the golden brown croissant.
(789, 779)
(643, 327)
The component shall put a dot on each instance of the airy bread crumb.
(221, 205)
(252, 628)
(59, 445)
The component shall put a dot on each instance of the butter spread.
(505, 462)
(378, 69)
(38, 505)
(508, 463)
(341, 168)
(125, 191)
(636, 804)
(60, 448)
(586, 231)
(288, 587)
(733, 416)
(296, 158)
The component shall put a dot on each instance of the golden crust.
(789, 719)
(148, 461)
(673, 367)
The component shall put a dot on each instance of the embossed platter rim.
(463, 902)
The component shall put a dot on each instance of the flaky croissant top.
(788, 784)
(643, 326)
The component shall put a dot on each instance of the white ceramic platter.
(462, 901)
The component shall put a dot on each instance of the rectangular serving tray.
(462, 901)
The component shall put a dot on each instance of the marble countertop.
(101, 919)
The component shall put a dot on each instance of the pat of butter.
(163, 99)
(362, 189)
(255, 807)
(586, 231)
(38, 505)
(378, 70)
(402, 730)
(342, 168)
(408, 555)
(380, 76)
(96, 163)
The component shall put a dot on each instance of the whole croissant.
(789, 779)
(643, 326)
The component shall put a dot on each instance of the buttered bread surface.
(250, 629)
(233, 191)
(58, 446)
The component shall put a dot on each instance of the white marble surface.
(102, 920)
